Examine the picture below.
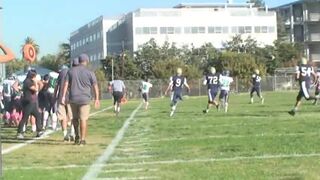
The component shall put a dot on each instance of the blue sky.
(50, 22)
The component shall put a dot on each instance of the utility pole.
(122, 59)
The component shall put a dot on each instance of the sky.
(50, 22)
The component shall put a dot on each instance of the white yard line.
(131, 157)
(174, 161)
(45, 135)
(129, 178)
(226, 136)
(95, 168)
(237, 158)
(130, 170)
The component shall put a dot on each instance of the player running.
(118, 90)
(256, 86)
(212, 80)
(145, 87)
(303, 75)
(176, 85)
(225, 82)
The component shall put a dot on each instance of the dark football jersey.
(256, 80)
(304, 71)
(213, 81)
(177, 82)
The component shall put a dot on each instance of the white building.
(91, 39)
(192, 24)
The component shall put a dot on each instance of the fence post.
(199, 87)
(237, 84)
(274, 82)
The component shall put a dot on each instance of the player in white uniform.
(145, 87)
(225, 82)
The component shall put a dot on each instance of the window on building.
(153, 30)
(98, 35)
(247, 29)
(177, 30)
(87, 40)
(138, 30)
(90, 38)
(194, 30)
(257, 29)
(170, 30)
(241, 30)
(234, 29)
(271, 29)
(94, 36)
(218, 30)
(146, 30)
(210, 29)
(163, 30)
(83, 41)
(202, 30)
(187, 30)
(225, 29)
(264, 29)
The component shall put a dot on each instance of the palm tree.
(29, 40)
(64, 53)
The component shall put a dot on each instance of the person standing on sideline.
(80, 80)
(64, 112)
(256, 86)
(212, 81)
(30, 104)
(145, 87)
(303, 74)
(176, 85)
(118, 90)
(225, 82)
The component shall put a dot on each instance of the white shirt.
(225, 82)
(145, 87)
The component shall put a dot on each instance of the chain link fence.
(268, 83)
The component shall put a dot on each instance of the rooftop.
(212, 5)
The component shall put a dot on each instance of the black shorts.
(304, 91)
(256, 89)
(176, 96)
(224, 94)
(145, 97)
(117, 96)
(212, 93)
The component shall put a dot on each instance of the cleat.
(71, 138)
(77, 140)
(82, 143)
(171, 113)
(292, 113)
(205, 111)
(20, 136)
(66, 139)
(262, 101)
(39, 134)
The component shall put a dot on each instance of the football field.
(251, 141)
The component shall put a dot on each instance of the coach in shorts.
(80, 80)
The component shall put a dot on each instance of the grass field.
(251, 141)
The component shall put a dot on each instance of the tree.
(49, 61)
(257, 3)
(64, 54)
(15, 65)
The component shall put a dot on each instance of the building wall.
(91, 39)
(193, 27)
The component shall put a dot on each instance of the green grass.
(190, 145)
